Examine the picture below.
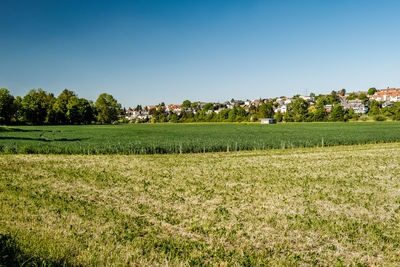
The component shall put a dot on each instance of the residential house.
(288, 101)
(328, 108)
(387, 104)
(219, 110)
(280, 101)
(357, 105)
(137, 114)
(174, 109)
(256, 102)
(202, 104)
(281, 109)
(307, 98)
(389, 94)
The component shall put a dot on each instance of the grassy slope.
(176, 138)
(310, 205)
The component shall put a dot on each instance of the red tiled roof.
(174, 106)
(389, 91)
(393, 92)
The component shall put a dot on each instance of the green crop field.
(185, 138)
(304, 206)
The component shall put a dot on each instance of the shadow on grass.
(11, 255)
(7, 129)
(41, 139)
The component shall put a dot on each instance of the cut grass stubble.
(302, 206)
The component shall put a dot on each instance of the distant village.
(354, 103)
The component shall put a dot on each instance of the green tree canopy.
(7, 107)
(320, 114)
(60, 106)
(208, 106)
(372, 91)
(186, 104)
(108, 108)
(266, 110)
(337, 113)
(79, 111)
(363, 97)
(297, 110)
(36, 105)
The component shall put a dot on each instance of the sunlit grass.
(189, 138)
(335, 205)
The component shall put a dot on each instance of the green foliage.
(194, 105)
(174, 118)
(364, 98)
(37, 104)
(187, 138)
(79, 110)
(18, 110)
(320, 114)
(380, 118)
(335, 96)
(108, 108)
(327, 100)
(372, 91)
(279, 116)
(40, 107)
(361, 96)
(7, 107)
(208, 106)
(375, 110)
(297, 111)
(186, 104)
(60, 106)
(396, 117)
(266, 110)
(337, 113)
(352, 96)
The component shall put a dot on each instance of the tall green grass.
(189, 138)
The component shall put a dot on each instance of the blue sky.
(149, 51)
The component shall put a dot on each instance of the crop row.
(201, 138)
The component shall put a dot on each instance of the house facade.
(389, 94)
(357, 105)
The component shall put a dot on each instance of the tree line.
(299, 110)
(39, 107)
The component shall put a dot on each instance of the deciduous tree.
(7, 107)
(108, 108)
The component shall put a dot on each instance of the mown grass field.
(186, 138)
(327, 206)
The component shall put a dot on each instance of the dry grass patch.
(302, 206)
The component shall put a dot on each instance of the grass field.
(185, 138)
(327, 206)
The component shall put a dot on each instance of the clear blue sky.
(148, 51)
